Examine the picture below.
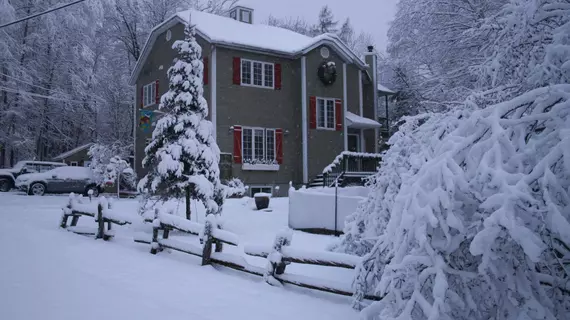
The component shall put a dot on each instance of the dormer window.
(242, 14)
(246, 16)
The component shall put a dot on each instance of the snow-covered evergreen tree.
(183, 156)
(469, 214)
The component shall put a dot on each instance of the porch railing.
(354, 165)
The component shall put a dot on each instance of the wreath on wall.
(327, 72)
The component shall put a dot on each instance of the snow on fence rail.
(212, 237)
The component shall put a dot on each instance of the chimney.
(242, 14)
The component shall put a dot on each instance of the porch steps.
(319, 182)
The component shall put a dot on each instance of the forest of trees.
(64, 75)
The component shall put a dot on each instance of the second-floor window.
(149, 94)
(326, 113)
(258, 145)
(257, 73)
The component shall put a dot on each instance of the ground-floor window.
(73, 163)
(258, 145)
(254, 190)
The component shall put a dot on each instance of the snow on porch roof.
(383, 89)
(357, 122)
(225, 31)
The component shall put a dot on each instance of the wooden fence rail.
(212, 239)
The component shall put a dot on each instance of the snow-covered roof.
(72, 151)
(357, 122)
(228, 32)
(382, 88)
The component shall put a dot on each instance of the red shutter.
(206, 70)
(313, 112)
(157, 95)
(277, 76)
(237, 144)
(142, 96)
(237, 71)
(338, 112)
(279, 145)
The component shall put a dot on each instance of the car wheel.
(5, 185)
(94, 189)
(37, 189)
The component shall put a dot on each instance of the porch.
(349, 169)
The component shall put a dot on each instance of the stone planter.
(262, 200)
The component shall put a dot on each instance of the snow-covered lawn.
(48, 273)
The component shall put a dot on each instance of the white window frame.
(74, 163)
(325, 116)
(243, 129)
(243, 15)
(149, 94)
(251, 68)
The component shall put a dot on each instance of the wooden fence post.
(65, 215)
(100, 222)
(154, 245)
(207, 252)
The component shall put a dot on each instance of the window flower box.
(260, 167)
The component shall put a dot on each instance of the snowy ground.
(48, 273)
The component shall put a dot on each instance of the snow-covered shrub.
(234, 188)
(105, 162)
(275, 258)
(476, 224)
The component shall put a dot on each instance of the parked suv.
(8, 176)
(59, 180)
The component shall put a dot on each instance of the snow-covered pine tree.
(183, 156)
(469, 215)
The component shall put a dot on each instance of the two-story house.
(283, 105)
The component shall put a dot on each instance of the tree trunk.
(188, 203)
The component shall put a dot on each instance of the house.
(283, 105)
(75, 157)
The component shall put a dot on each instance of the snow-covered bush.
(234, 188)
(469, 214)
(105, 163)
(476, 223)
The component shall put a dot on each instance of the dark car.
(8, 176)
(59, 180)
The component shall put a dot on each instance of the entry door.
(353, 143)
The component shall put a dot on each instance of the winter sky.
(373, 16)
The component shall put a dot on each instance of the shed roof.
(72, 152)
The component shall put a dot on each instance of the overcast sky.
(372, 16)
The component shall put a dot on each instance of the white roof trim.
(330, 39)
(355, 121)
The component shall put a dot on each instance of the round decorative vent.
(325, 52)
(168, 35)
(327, 72)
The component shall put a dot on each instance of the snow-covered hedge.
(314, 208)
(469, 216)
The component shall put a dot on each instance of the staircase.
(354, 166)
(319, 181)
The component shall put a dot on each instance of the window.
(73, 163)
(257, 73)
(255, 190)
(245, 16)
(149, 94)
(325, 114)
(233, 15)
(258, 145)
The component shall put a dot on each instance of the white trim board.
(304, 121)
(344, 107)
(214, 91)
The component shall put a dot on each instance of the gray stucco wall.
(156, 66)
(261, 107)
